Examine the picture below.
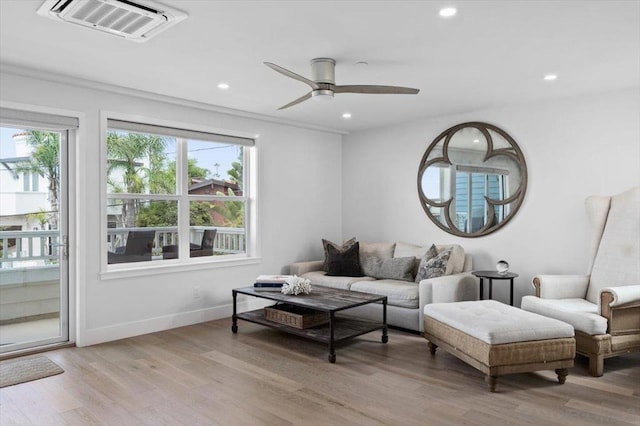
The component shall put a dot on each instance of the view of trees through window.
(146, 188)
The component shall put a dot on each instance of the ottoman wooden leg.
(562, 374)
(492, 381)
(432, 348)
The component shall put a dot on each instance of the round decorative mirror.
(472, 179)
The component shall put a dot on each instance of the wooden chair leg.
(492, 381)
(596, 365)
(432, 348)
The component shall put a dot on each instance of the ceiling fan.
(323, 84)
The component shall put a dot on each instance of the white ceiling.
(492, 53)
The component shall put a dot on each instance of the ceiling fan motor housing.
(323, 70)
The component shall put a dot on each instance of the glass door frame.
(64, 240)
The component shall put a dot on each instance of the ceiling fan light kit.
(323, 82)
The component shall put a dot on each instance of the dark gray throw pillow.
(433, 264)
(397, 268)
(345, 263)
(326, 243)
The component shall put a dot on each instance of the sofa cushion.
(580, 313)
(455, 265)
(344, 262)
(433, 264)
(369, 251)
(326, 243)
(399, 268)
(322, 279)
(399, 293)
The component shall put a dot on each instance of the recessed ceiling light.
(223, 86)
(346, 115)
(550, 77)
(476, 141)
(448, 12)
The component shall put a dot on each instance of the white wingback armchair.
(604, 305)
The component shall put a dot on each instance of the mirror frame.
(514, 153)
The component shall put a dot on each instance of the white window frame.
(184, 262)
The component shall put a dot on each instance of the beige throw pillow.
(455, 265)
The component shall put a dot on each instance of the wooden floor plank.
(204, 374)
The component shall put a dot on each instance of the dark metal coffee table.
(321, 299)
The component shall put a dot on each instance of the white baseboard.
(94, 336)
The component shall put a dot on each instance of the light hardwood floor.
(205, 375)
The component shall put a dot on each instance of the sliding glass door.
(34, 267)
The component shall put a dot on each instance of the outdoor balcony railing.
(39, 247)
(22, 246)
(227, 241)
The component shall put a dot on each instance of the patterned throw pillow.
(433, 264)
(345, 263)
(326, 243)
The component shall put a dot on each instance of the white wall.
(573, 148)
(299, 202)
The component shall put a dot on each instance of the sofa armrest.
(300, 268)
(561, 286)
(621, 307)
(448, 288)
(624, 295)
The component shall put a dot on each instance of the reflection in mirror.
(472, 179)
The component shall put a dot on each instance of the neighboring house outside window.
(35, 182)
(26, 181)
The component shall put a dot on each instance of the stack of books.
(270, 282)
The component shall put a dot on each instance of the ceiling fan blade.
(297, 101)
(292, 74)
(376, 89)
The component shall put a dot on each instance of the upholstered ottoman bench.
(499, 339)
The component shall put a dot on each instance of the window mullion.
(182, 183)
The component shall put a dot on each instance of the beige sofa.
(405, 300)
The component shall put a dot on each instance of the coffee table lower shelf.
(343, 328)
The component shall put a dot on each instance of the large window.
(175, 194)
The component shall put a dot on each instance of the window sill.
(156, 269)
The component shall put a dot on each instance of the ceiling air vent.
(136, 21)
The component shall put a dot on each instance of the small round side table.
(494, 275)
